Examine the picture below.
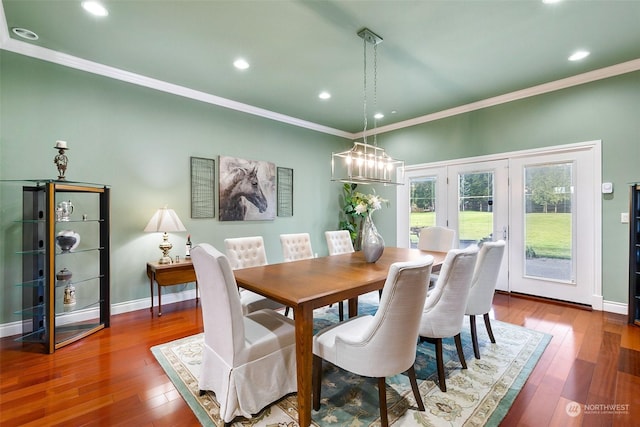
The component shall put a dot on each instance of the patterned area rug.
(477, 396)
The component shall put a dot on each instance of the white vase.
(372, 241)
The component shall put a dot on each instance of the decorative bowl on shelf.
(67, 240)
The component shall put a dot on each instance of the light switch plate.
(607, 187)
(624, 217)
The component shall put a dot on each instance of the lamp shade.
(165, 220)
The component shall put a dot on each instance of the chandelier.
(366, 163)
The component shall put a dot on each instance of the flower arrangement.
(366, 203)
(356, 207)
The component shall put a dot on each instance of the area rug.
(478, 396)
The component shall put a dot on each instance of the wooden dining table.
(312, 283)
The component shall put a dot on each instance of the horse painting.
(243, 185)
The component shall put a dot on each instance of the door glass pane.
(549, 221)
(423, 206)
(475, 208)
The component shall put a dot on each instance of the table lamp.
(165, 220)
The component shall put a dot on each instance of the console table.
(169, 275)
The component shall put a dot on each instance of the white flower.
(375, 202)
(361, 208)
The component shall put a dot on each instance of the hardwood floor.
(111, 378)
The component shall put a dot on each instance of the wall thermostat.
(607, 187)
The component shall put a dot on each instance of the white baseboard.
(10, 329)
(597, 302)
(615, 307)
(15, 328)
(139, 304)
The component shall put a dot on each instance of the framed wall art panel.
(247, 189)
(285, 192)
(202, 187)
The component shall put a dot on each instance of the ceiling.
(436, 55)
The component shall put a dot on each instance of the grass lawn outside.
(548, 234)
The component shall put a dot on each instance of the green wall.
(606, 110)
(139, 141)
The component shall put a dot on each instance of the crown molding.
(591, 76)
(34, 51)
(38, 52)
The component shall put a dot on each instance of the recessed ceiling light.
(324, 95)
(24, 33)
(94, 8)
(578, 55)
(551, 1)
(241, 64)
(378, 116)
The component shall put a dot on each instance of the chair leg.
(440, 364)
(487, 323)
(439, 360)
(460, 352)
(414, 387)
(474, 336)
(286, 312)
(382, 395)
(341, 310)
(316, 381)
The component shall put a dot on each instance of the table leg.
(303, 317)
(353, 307)
(159, 300)
(151, 277)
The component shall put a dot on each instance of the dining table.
(305, 285)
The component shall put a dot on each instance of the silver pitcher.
(64, 210)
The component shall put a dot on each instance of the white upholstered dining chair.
(483, 286)
(438, 239)
(381, 345)
(296, 246)
(244, 252)
(248, 360)
(339, 242)
(443, 312)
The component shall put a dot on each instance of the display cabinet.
(634, 255)
(63, 249)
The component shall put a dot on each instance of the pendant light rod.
(369, 37)
(365, 163)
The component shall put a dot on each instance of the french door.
(422, 202)
(479, 206)
(472, 199)
(544, 204)
(554, 246)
